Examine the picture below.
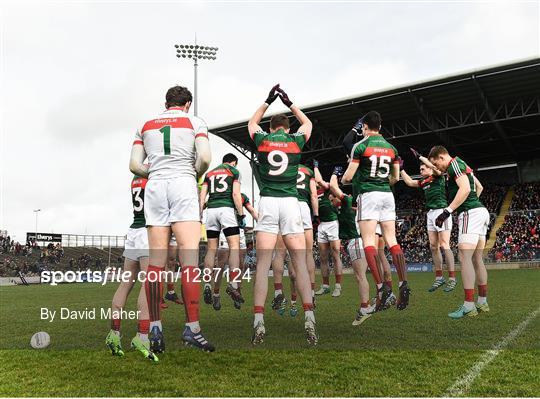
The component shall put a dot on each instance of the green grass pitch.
(416, 352)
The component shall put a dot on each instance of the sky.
(78, 78)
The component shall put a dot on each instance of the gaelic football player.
(328, 236)
(309, 208)
(375, 164)
(136, 258)
(223, 257)
(473, 218)
(278, 153)
(178, 151)
(433, 183)
(348, 232)
(224, 212)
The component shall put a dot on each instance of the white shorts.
(306, 215)
(328, 231)
(474, 222)
(376, 205)
(136, 245)
(355, 249)
(221, 218)
(171, 200)
(432, 215)
(223, 244)
(280, 215)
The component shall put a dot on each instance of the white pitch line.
(463, 383)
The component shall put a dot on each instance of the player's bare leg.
(243, 253)
(296, 244)
(310, 261)
(335, 251)
(265, 245)
(278, 269)
(324, 255)
(481, 276)
(217, 276)
(389, 234)
(434, 247)
(293, 311)
(360, 267)
(118, 303)
(234, 269)
(444, 243)
(385, 272)
(209, 262)
(188, 235)
(370, 242)
(158, 241)
(172, 267)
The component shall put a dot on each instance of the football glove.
(272, 95)
(284, 98)
(241, 219)
(442, 217)
(416, 154)
(338, 171)
(358, 125)
(315, 164)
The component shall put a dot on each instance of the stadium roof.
(487, 116)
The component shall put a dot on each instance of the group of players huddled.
(171, 154)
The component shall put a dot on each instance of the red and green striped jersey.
(434, 191)
(279, 155)
(220, 185)
(138, 184)
(305, 175)
(347, 219)
(456, 169)
(327, 211)
(375, 156)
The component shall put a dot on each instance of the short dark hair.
(279, 120)
(373, 120)
(229, 158)
(178, 96)
(437, 151)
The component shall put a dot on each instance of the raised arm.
(253, 124)
(408, 180)
(425, 161)
(314, 199)
(305, 124)
(136, 160)
(334, 187)
(317, 174)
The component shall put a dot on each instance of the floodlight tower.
(195, 52)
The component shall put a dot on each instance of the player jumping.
(279, 153)
(434, 186)
(375, 163)
(178, 151)
(464, 190)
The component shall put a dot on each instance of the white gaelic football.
(40, 340)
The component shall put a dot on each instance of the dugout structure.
(488, 117)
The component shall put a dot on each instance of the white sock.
(258, 317)
(208, 285)
(234, 284)
(194, 326)
(400, 284)
(293, 303)
(309, 315)
(379, 286)
(468, 305)
(326, 286)
(439, 278)
(143, 337)
(452, 278)
(338, 286)
(312, 293)
(217, 295)
(116, 332)
(482, 300)
(156, 323)
(170, 292)
(277, 292)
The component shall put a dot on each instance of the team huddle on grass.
(171, 153)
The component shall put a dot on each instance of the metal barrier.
(95, 241)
